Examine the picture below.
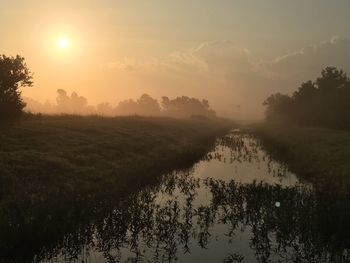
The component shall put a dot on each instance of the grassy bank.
(318, 154)
(58, 173)
(70, 154)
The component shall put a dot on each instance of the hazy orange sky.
(230, 52)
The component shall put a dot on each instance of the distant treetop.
(324, 102)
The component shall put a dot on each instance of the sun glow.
(62, 42)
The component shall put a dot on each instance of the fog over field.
(180, 107)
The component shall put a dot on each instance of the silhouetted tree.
(278, 107)
(73, 104)
(14, 74)
(148, 106)
(145, 105)
(324, 102)
(127, 107)
(105, 109)
(183, 107)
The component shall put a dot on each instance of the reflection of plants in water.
(245, 148)
(162, 223)
(233, 258)
(294, 231)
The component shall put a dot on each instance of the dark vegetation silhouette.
(14, 74)
(179, 107)
(145, 105)
(183, 106)
(324, 102)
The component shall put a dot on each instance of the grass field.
(318, 154)
(70, 154)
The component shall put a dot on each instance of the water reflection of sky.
(245, 164)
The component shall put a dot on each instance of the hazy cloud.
(310, 60)
(213, 56)
(224, 56)
(227, 70)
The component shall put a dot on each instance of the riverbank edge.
(318, 155)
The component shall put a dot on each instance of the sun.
(62, 42)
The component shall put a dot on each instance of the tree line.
(14, 74)
(145, 105)
(323, 102)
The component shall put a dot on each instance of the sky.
(232, 52)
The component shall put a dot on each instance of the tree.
(331, 79)
(127, 107)
(278, 107)
(105, 109)
(145, 105)
(148, 106)
(184, 107)
(73, 104)
(324, 102)
(14, 74)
